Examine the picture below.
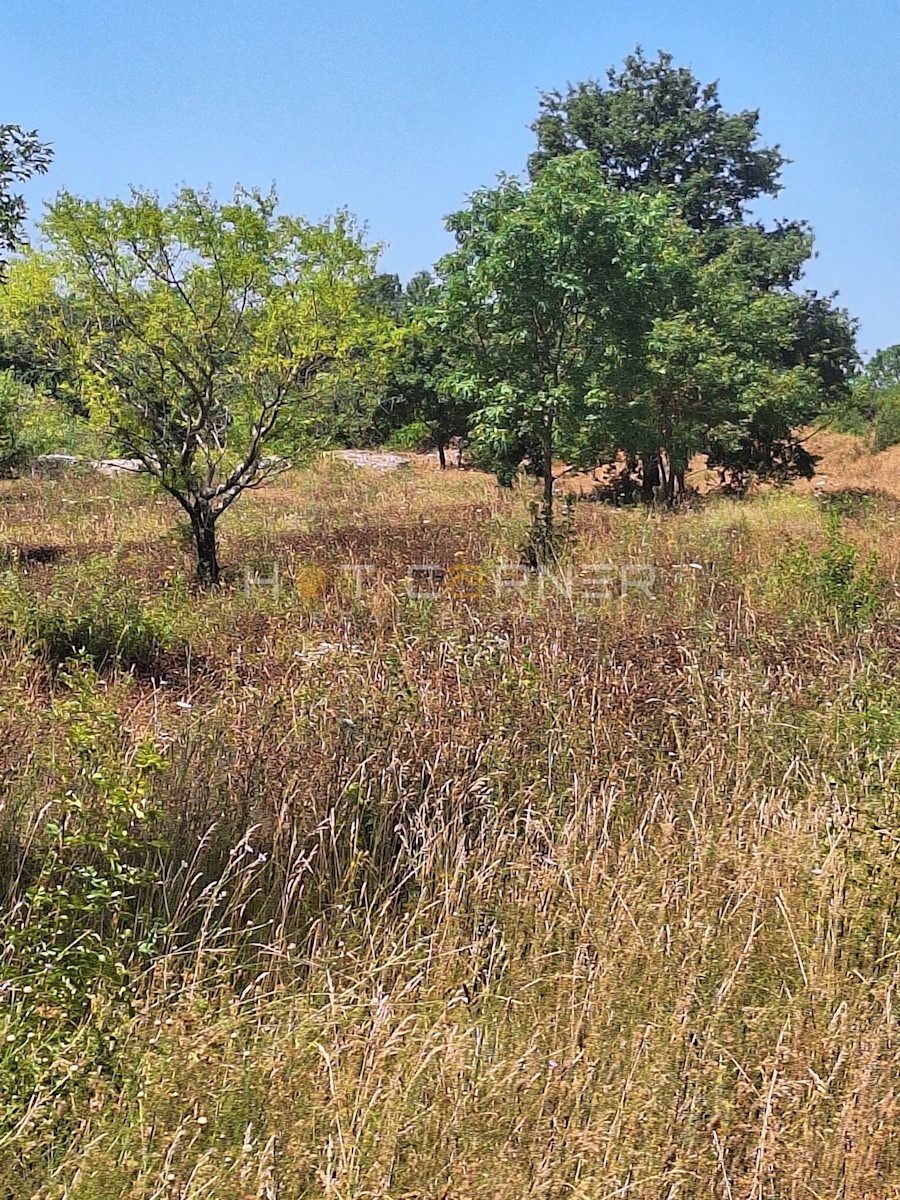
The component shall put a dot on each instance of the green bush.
(85, 616)
(831, 582)
(886, 431)
(12, 453)
(872, 413)
(414, 437)
(32, 423)
(77, 935)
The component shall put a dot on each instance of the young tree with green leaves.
(419, 386)
(196, 333)
(418, 389)
(547, 302)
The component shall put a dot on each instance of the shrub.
(77, 935)
(857, 412)
(84, 617)
(11, 450)
(832, 582)
(886, 432)
(414, 437)
(872, 413)
(32, 423)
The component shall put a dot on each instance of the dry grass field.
(526, 888)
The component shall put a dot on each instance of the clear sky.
(397, 110)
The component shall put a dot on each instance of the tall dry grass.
(490, 895)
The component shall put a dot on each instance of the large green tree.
(720, 373)
(197, 333)
(587, 324)
(653, 127)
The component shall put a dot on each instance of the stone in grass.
(372, 460)
(54, 464)
(49, 465)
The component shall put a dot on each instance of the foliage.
(872, 409)
(11, 450)
(83, 616)
(22, 155)
(832, 581)
(416, 436)
(547, 299)
(666, 354)
(656, 127)
(33, 423)
(721, 379)
(400, 393)
(883, 368)
(806, 346)
(384, 294)
(418, 388)
(75, 939)
(198, 333)
(886, 431)
(877, 397)
(811, 360)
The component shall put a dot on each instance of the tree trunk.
(679, 483)
(203, 523)
(547, 509)
(661, 490)
(442, 454)
(674, 481)
(649, 476)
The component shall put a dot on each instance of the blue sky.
(397, 110)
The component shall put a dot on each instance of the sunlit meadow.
(332, 889)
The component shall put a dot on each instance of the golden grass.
(499, 896)
(845, 464)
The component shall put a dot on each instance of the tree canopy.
(22, 155)
(589, 324)
(196, 332)
(619, 303)
(547, 301)
(417, 394)
(883, 368)
(656, 126)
